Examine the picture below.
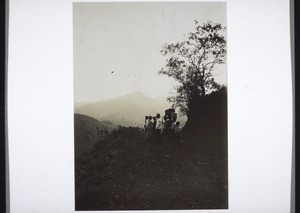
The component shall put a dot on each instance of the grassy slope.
(123, 171)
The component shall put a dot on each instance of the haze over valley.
(127, 110)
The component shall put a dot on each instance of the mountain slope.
(128, 110)
(86, 136)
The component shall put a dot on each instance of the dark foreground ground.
(125, 172)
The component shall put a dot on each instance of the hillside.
(207, 123)
(128, 110)
(86, 136)
(125, 172)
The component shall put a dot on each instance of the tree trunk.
(202, 90)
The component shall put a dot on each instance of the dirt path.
(132, 173)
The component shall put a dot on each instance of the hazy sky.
(117, 45)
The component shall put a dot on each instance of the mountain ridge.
(128, 110)
(86, 135)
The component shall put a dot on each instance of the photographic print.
(150, 106)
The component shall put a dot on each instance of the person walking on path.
(177, 131)
(153, 129)
(149, 128)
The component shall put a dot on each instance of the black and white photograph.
(150, 106)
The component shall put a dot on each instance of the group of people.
(157, 127)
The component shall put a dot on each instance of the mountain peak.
(136, 94)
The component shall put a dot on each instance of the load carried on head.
(157, 127)
(170, 117)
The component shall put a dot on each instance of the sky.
(117, 45)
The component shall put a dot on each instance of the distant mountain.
(79, 104)
(128, 110)
(86, 132)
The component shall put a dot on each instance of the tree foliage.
(192, 61)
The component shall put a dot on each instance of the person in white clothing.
(159, 128)
(149, 128)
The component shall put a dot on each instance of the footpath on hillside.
(126, 172)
